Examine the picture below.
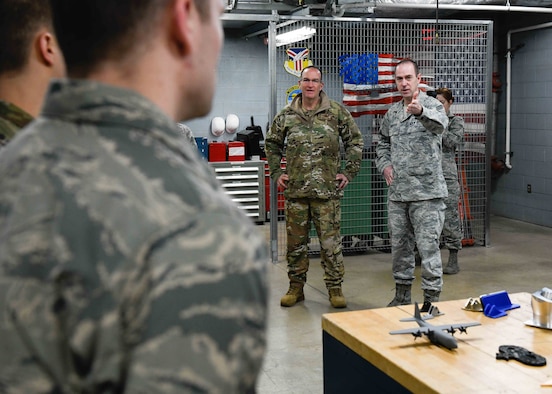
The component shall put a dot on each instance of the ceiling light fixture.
(304, 33)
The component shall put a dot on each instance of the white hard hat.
(232, 123)
(217, 126)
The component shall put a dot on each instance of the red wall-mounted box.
(217, 151)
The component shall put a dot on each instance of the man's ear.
(185, 19)
(47, 48)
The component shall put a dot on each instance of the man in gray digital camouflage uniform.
(409, 157)
(313, 180)
(452, 139)
(29, 58)
(187, 133)
(124, 267)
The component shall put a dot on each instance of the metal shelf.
(244, 182)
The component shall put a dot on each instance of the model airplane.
(439, 335)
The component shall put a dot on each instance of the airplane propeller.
(417, 334)
(451, 330)
(463, 329)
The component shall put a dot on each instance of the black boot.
(452, 265)
(429, 297)
(402, 295)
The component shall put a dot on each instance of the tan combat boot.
(337, 299)
(293, 295)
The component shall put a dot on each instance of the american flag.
(369, 84)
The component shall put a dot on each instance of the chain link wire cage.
(355, 56)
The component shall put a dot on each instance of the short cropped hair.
(92, 31)
(20, 20)
(309, 67)
(404, 61)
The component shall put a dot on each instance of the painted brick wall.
(531, 133)
(242, 87)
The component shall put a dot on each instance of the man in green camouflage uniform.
(313, 180)
(452, 139)
(29, 58)
(124, 267)
(409, 157)
(12, 119)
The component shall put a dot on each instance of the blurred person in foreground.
(187, 133)
(452, 139)
(313, 181)
(29, 58)
(409, 158)
(124, 266)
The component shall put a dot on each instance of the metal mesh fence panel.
(356, 57)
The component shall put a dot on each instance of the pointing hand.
(415, 108)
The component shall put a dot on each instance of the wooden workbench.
(361, 356)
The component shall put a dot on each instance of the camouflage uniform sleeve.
(352, 142)
(455, 133)
(433, 117)
(204, 320)
(383, 148)
(274, 145)
(186, 314)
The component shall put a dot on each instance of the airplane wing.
(446, 327)
(424, 317)
(456, 326)
(413, 330)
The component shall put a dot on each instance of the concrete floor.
(517, 260)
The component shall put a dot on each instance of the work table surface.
(423, 367)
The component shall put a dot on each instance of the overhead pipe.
(507, 159)
(373, 5)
